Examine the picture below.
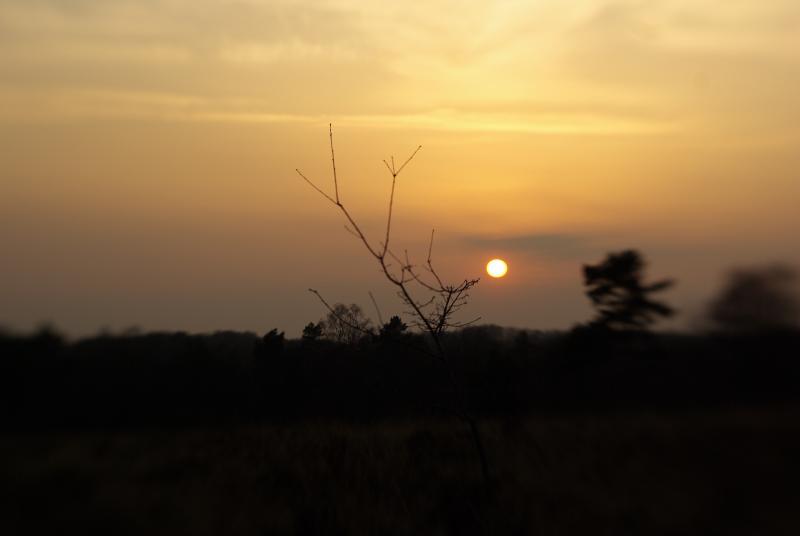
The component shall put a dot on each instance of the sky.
(148, 152)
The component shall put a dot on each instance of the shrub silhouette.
(758, 300)
(616, 291)
(312, 331)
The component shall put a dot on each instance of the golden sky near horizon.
(148, 150)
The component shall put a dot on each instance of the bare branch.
(407, 160)
(333, 163)
(377, 309)
(351, 231)
(389, 217)
(357, 229)
(421, 281)
(433, 316)
(459, 325)
(318, 295)
(430, 261)
(329, 198)
(395, 257)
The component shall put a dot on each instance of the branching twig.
(432, 314)
(447, 296)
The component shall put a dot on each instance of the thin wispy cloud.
(345, 61)
(558, 246)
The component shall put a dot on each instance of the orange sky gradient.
(148, 148)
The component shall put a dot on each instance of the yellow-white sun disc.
(497, 268)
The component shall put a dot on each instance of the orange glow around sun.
(497, 268)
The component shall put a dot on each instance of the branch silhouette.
(432, 314)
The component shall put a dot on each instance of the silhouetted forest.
(606, 428)
(343, 368)
(180, 378)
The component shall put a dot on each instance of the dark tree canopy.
(758, 299)
(393, 329)
(270, 345)
(313, 331)
(346, 324)
(618, 294)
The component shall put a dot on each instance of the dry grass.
(712, 473)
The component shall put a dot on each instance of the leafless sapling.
(431, 304)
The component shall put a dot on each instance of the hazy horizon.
(149, 150)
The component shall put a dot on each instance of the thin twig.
(407, 160)
(333, 164)
(377, 309)
(389, 217)
(329, 198)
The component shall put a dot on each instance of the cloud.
(593, 67)
(712, 70)
(553, 245)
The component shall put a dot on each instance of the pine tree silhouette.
(617, 293)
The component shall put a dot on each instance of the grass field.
(722, 472)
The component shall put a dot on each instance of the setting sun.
(497, 268)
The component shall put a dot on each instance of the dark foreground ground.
(725, 472)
